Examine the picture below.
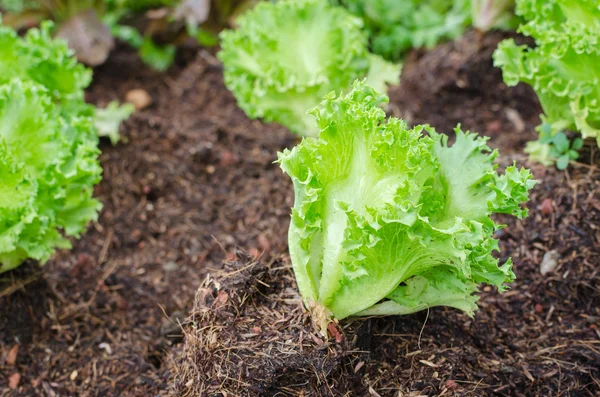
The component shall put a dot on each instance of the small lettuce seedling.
(48, 147)
(387, 220)
(284, 57)
(109, 119)
(554, 148)
(564, 66)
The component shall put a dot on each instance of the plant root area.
(183, 287)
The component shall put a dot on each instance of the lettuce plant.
(48, 148)
(395, 27)
(563, 67)
(554, 148)
(389, 221)
(284, 57)
(109, 119)
(48, 62)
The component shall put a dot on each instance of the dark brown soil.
(196, 179)
(250, 335)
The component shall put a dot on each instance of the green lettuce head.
(284, 57)
(387, 220)
(564, 66)
(48, 148)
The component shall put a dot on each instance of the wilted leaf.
(91, 40)
(194, 12)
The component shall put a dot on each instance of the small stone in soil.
(263, 243)
(140, 99)
(227, 158)
(13, 380)
(494, 126)
(549, 262)
(170, 266)
(451, 385)
(546, 207)
(515, 118)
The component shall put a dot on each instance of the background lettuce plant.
(284, 57)
(390, 220)
(394, 27)
(564, 66)
(48, 147)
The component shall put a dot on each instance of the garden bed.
(196, 180)
(248, 334)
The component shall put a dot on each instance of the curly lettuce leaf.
(382, 73)
(564, 67)
(39, 58)
(285, 57)
(108, 120)
(386, 219)
(51, 164)
(438, 287)
(48, 147)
